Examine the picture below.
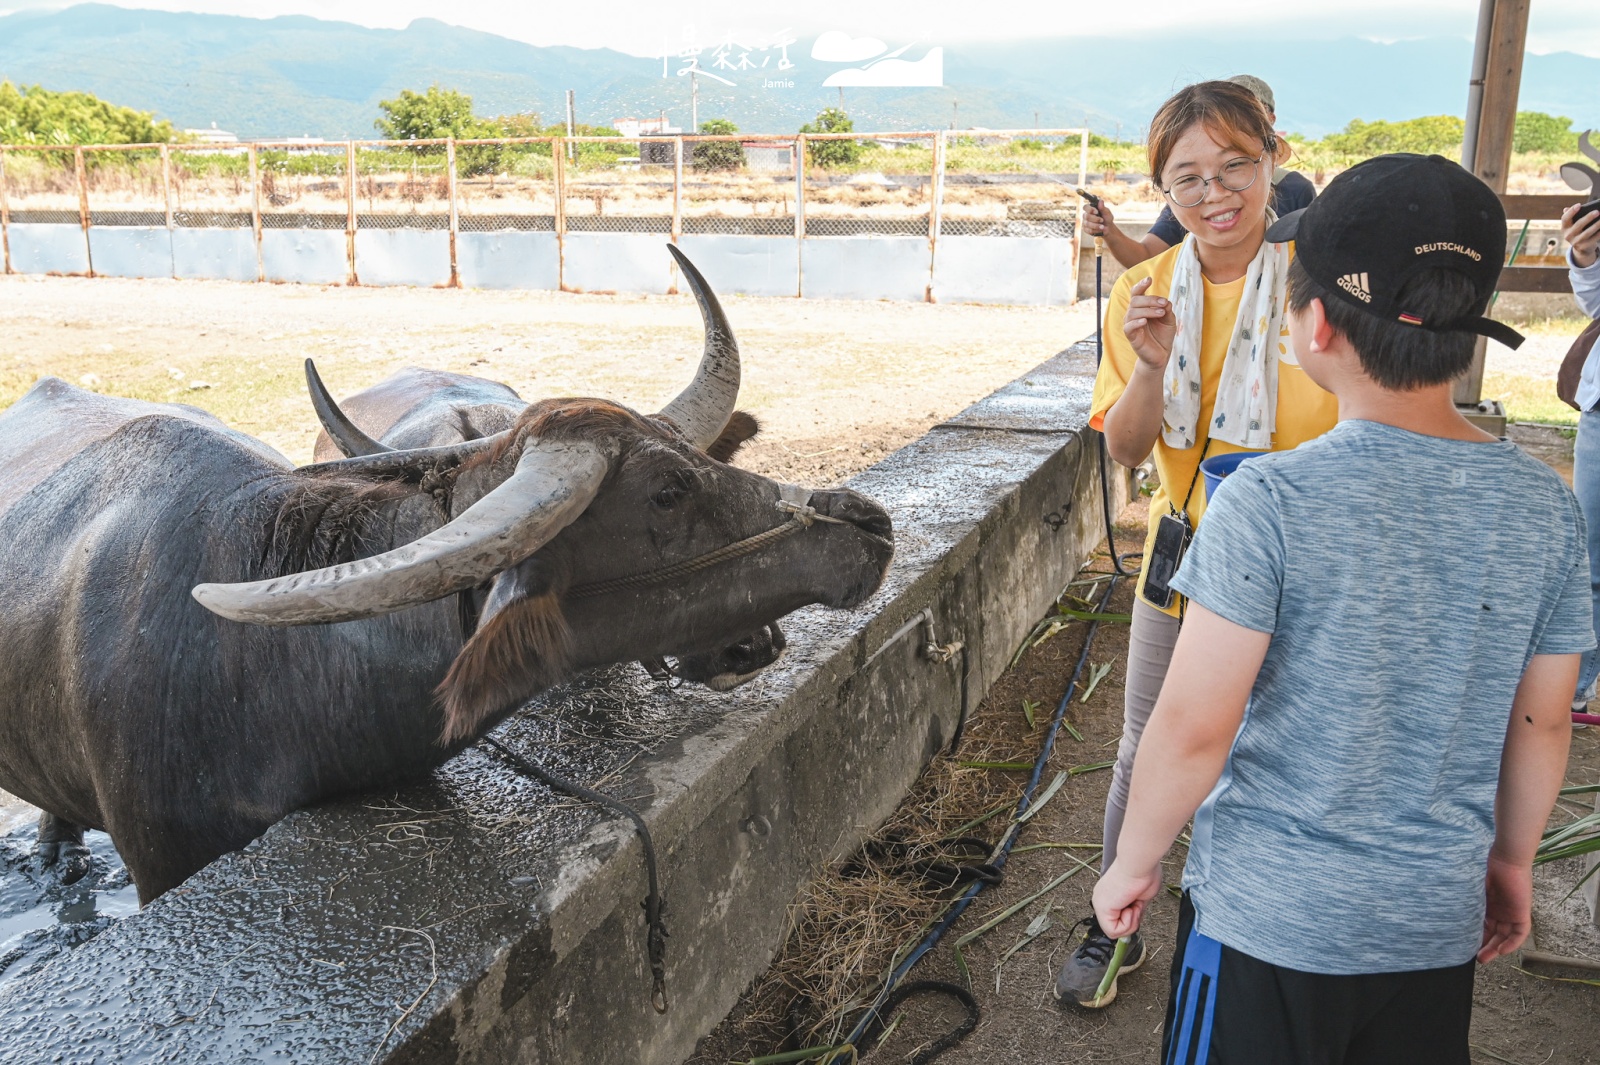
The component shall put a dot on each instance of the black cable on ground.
(925, 987)
(657, 936)
(886, 998)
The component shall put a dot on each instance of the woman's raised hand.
(1150, 326)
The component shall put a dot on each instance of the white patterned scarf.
(1246, 409)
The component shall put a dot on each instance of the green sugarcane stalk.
(1112, 969)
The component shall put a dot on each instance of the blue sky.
(646, 27)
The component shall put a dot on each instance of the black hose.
(874, 1031)
(657, 937)
(877, 1010)
(1105, 479)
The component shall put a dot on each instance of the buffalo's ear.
(742, 425)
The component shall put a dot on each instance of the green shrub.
(717, 155)
(1431, 134)
(1538, 132)
(832, 153)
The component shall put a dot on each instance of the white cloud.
(836, 46)
(927, 71)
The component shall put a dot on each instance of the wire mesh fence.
(303, 187)
(42, 186)
(506, 186)
(814, 187)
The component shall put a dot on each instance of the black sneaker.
(1080, 977)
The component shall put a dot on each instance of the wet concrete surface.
(477, 916)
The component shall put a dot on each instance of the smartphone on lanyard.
(1173, 534)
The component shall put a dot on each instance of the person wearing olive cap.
(1367, 710)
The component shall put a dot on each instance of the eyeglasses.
(1235, 176)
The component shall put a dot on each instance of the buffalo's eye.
(679, 483)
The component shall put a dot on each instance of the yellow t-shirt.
(1305, 411)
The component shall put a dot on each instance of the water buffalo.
(415, 407)
(197, 638)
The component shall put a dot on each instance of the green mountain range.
(300, 76)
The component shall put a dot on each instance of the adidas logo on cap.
(1356, 285)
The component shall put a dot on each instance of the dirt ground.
(1519, 1018)
(837, 384)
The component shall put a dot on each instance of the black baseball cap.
(1382, 220)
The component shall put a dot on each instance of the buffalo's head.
(602, 536)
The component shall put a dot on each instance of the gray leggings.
(1150, 642)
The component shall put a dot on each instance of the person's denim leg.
(1586, 486)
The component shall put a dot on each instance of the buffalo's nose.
(854, 508)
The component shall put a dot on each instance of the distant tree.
(38, 116)
(1431, 134)
(717, 155)
(437, 113)
(1538, 132)
(832, 153)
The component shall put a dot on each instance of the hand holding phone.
(1581, 230)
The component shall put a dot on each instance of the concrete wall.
(1017, 270)
(475, 918)
(47, 248)
(131, 251)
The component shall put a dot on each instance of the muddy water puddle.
(41, 918)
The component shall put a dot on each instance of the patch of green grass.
(1528, 399)
(1557, 326)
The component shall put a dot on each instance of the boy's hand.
(1150, 326)
(1583, 234)
(1508, 918)
(1121, 896)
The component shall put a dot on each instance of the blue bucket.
(1217, 467)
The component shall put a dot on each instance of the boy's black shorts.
(1228, 1008)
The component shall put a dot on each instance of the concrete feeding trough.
(478, 917)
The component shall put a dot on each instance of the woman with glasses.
(1290, 192)
(1197, 362)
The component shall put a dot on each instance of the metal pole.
(570, 124)
(5, 215)
(351, 277)
(455, 216)
(677, 204)
(255, 208)
(1480, 64)
(166, 192)
(166, 183)
(935, 214)
(1077, 225)
(799, 214)
(83, 205)
(694, 102)
(558, 154)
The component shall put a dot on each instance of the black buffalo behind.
(197, 638)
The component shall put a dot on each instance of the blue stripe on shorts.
(1197, 1000)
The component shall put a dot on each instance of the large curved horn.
(702, 409)
(344, 432)
(553, 483)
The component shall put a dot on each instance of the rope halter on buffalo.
(802, 516)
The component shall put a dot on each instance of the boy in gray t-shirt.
(1367, 709)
